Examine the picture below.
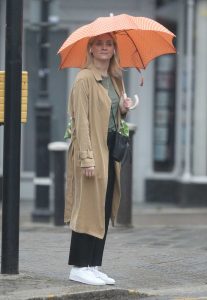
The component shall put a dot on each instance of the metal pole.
(189, 85)
(58, 150)
(12, 138)
(59, 168)
(124, 216)
(42, 182)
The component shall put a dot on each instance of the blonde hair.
(114, 67)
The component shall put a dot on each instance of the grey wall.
(57, 93)
(71, 15)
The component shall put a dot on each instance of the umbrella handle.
(136, 102)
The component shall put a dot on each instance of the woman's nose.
(104, 45)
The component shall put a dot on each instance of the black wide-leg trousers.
(87, 250)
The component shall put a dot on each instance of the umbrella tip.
(111, 14)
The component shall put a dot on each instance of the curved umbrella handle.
(136, 102)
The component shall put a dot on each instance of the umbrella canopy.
(139, 40)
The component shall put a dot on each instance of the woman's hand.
(88, 171)
(126, 103)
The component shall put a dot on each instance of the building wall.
(76, 14)
(73, 14)
(158, 182)
(200, 103)
(186, 184)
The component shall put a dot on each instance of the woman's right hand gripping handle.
(88, 171)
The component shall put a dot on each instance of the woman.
(93, 181)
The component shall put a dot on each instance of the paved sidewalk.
(163, 256)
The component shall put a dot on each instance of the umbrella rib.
(135, 47)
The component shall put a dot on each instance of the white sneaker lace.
(93, 268)
(85, 268)
(96, 271)
(88, 269)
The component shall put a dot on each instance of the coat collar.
(96, 73)
(98, 77)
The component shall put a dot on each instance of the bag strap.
(114, 119)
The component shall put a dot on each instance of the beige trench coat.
(89, 107)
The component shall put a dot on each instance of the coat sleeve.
(81, 119)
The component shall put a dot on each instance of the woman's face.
(103, 47)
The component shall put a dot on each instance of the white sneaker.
(85, 275)
(102, 276)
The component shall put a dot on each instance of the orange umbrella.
(139, 40)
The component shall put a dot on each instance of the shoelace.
(86, 268)
(94, 268)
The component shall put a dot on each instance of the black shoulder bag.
(121, 143)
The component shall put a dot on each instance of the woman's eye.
(100, 43)
(109, 44)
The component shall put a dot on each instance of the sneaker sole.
(78, 279)
(110, 283)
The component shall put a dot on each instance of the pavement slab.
(153, 259)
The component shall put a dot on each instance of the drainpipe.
(189, 83)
